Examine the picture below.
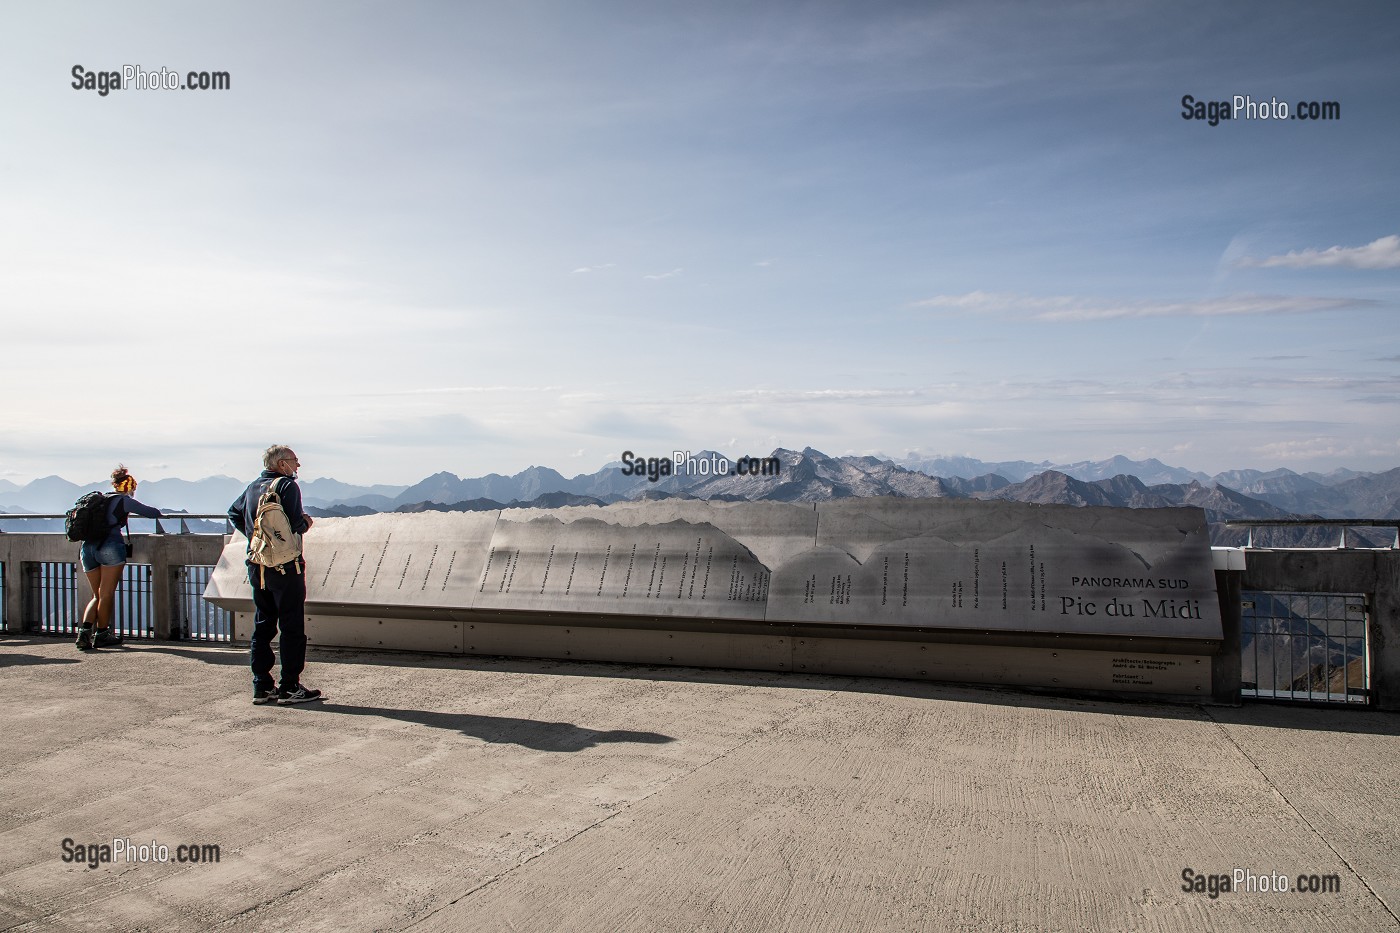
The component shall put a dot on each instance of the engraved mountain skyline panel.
(993, 566)
(431, 561)
(1017, 582)
(673, 569)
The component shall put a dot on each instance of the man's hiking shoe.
(263, 696)
(103, 638)
(84, 642)
(298, 694)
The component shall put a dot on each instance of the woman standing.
(104, 562)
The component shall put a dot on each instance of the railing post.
(28, 617)
(179, 618)
(161, 597)
(82, 594)
(13, 584)
(1226, 667)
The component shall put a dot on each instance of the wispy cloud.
(606, 265)
(1311, 448)
(630, 428)
(821, 395)
(1069, 308)
(1378, 254)
(460, 390)
(426, 430)
(663, 275)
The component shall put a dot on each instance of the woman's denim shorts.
(109, 553)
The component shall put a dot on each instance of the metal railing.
(196, 618)
(1305, 646)
(1342, 524)
(160, 595)
(183, 518)
(53, 595)
(56, 608)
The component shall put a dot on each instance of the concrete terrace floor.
(432, 793)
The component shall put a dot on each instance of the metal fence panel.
(1305, 646)
(55, 608)
(197, 618)
(51, 597)
(132, 616)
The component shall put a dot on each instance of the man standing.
(279, 592)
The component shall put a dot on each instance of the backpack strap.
(115, 507)
(126, 525)
(122, 516)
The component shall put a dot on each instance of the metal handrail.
(1349, 522)
(160, 529)
(204, 515)
(1342, 523)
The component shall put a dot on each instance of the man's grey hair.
(273, 454)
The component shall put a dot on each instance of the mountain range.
(804, 476)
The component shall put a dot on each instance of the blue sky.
(419, 237)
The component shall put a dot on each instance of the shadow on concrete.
(209, 654)
(502, 730)
(1354, 719)
(211, 651)
(12, 659)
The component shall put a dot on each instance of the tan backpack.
(273, 543)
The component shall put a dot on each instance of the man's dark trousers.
(279, 603)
